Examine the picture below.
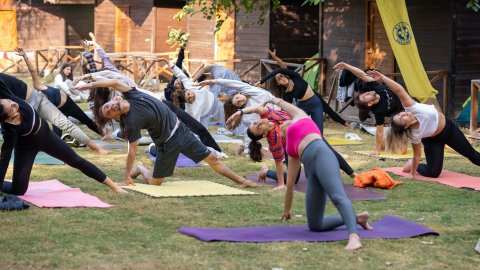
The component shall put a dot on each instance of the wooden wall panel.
(379, 53)
(40, 26)
(344, 25)
(202, 40)
(80, 21)
(467, 52)
(165, 22)
(122, 28)
(105, 24)
(251, 40)
(294, 29)
(8, 21)
(225, 42)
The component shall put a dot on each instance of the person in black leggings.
(423, 124)
(297, 88)
(26, 133)
(61, 100)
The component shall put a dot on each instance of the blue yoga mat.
(388, 227)
(43, 158)
(182, 161)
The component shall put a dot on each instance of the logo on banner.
(402, 33)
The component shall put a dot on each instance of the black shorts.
(183, 141)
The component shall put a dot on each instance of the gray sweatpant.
(52, 114)
(323, 178)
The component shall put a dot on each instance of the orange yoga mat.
(454, 179)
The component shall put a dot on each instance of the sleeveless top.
(427, 117)
(296, 132)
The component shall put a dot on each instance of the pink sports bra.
(296, 132)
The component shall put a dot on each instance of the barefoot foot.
(362, 220)
(408, 166)
(136, 170)
(353, 242)
(262, 175)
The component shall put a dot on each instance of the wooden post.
(475, 86)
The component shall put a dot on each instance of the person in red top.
(267, 127)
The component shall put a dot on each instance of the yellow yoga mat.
(341, 141)
(328, 132)
(187, 189)
(408, 155)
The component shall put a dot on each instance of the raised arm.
(107, 62)
(88, 56)
(276, 58)
(356, 71)
(114, 84)
(201, 71)
(177, 72)
(396, 88)
(284, 71)
(293, 110)
(37, 84)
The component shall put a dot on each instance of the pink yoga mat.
(454, 179)
(52, 193)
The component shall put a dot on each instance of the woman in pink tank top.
(305, 145)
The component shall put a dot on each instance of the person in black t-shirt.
(137, 110)
(376, 97)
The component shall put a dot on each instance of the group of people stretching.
(177, 124)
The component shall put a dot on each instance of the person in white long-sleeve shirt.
(200, 103)
(63, 81)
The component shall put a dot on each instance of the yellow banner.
(400, 34)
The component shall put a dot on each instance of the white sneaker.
(353, 137)
(117, 135)
(149, 150)
(217, 154)
(477, 247)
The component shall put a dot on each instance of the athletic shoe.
(117, 135)
(152, 149)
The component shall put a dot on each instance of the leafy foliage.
(473, 4)
(177, 37)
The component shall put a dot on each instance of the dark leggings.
(313, 107)
(434, 149)
(51, 144)
(273, 174)
(323, 178)
(195, 126)
(72, 109)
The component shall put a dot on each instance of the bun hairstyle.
(255, 147)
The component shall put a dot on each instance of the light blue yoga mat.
(43, 158)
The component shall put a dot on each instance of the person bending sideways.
(380, 100)
(25, 132)
(136, 111)
(305, 144)
(423, 124)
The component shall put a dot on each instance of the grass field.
(141, 232)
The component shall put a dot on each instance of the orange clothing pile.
(376, 178)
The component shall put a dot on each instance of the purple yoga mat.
(353, 193)
(388, 227)
(182, 161)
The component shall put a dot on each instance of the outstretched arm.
(232, 120)
(201, 71)
(356, 71)
(107, 62)
(177, 72)
(396, 88)
(276, 58)
(293, 110)
(114, 84)
(292, 170)
(37, 84)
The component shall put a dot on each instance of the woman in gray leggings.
(305, 144)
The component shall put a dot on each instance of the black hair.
(64, 77)
(255, 147)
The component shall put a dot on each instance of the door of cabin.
(379, 54)
(122, 28)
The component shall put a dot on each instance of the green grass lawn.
(141, 232)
